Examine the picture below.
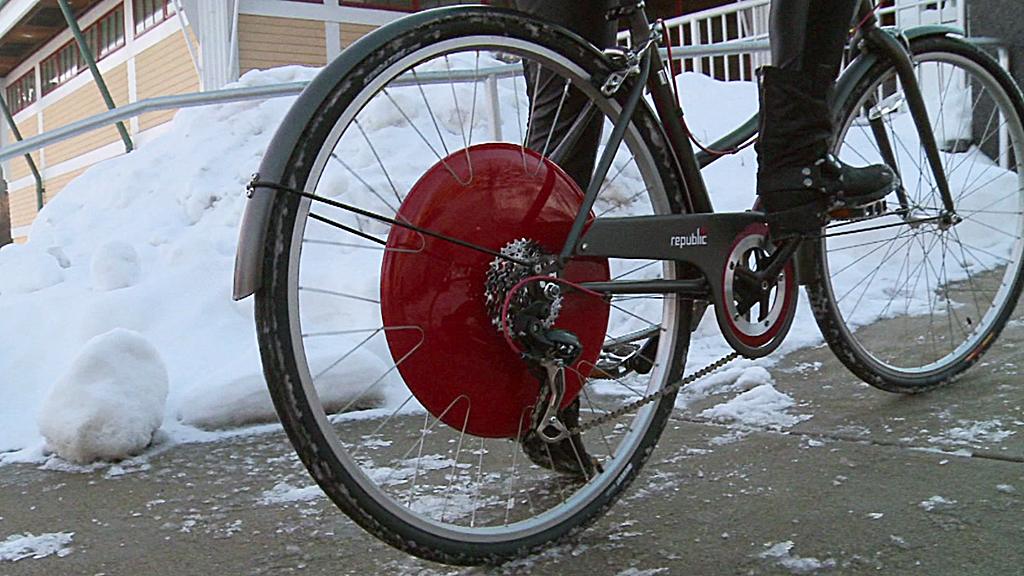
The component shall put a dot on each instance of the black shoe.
(799, 199)
(798, 181)
(567, 456)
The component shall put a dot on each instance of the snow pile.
(781, 553)
(22, 546)
(761, 406)
(147, 244)
(109, 403)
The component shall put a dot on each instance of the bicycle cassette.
(439, 325)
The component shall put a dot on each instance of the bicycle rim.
(915, 299)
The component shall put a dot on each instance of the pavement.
(873, 483)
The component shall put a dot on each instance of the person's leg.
(794, 167)
(552, 115)
(546, 90)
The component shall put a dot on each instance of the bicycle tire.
(392, 50)
(900, 361)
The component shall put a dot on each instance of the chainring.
(755, 329)
(433, 297)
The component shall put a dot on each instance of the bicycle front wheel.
(377, 320)
(911, 299)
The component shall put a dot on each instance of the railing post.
(83, 47)
(492, 94)
(698, 64)
(5, 212)
(40, 189)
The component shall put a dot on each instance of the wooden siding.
(165, 68)
(86, 101)
(352, 32)
(267, 42)
(23, 206)
(57, 183)
(18, 168)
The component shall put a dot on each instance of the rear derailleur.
(549, 351)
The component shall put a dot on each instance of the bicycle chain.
(619, 412)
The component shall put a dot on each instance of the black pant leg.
(808, 35)
(545, 89)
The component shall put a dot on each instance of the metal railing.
(148, 105)
(489, 76)
(730, 42)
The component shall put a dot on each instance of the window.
(149, 13)
(61, 66)
(22, 92)
(107, 34)
(102, 37)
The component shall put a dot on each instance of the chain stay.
(671, 388)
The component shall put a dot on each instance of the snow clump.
(781, 553)
(109, 403)
(27, 269)
(760, 406)
(22, 546)
(936, 503)
(115, 265)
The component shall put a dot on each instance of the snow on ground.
(22, 546)
(781, 554)
(761, 407)
(146, 242)
(936, 503)
(284, 493)
(973, 433)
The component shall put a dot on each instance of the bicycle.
(422, 307)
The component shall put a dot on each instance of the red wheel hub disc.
(451, 357)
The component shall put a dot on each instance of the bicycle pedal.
(869, 210)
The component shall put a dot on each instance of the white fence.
(730, 42)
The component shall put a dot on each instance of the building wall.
(352, 32)
(268, 42)
(163, 69)
(81, 103)
(23, 207)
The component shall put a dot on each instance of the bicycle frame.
(656, 238)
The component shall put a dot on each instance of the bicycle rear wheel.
(399, 394)
(911, 299)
